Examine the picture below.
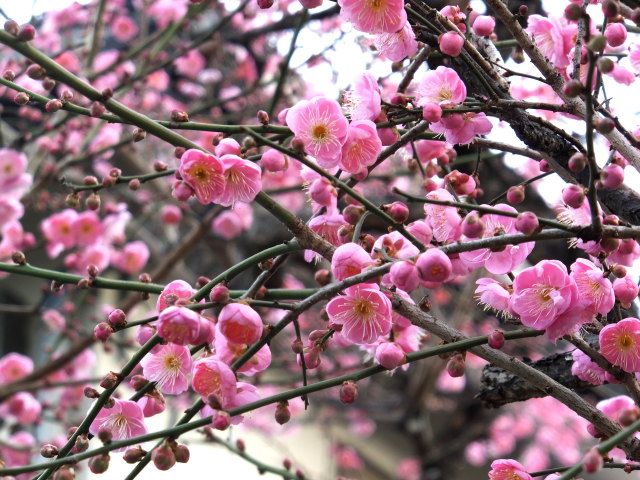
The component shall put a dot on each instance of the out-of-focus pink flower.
(622, 75)
(348, 260)
(124, 420)
(554, 38)
(24, 407)
(204, 174)
(177, 288)
(178, 325)
(361, 148)
(614, 406)
(58, 230)
(398, 45)
(214, 376)
(240, 323)
(462, 128)
(363, 311)
(123, 28)
(13, 165)
(506, 469)
(442, 86)
(374, 16)
(230, 223)
(132, 258)
(363, 102)
(321, 127)
(54, 320)
(14, 366)
(170, 367)
(86, 228)
(620, 344)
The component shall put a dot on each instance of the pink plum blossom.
(363, 311)
(132, 258)
(214, 376)
(13, 367)
(240, 323)
(390, 355)
(404, 275)
(320, 125)
(444, 221)
(170, 367)
(54, 320)
(152, 403)
(461, 129)
(86, 228)
(229, 352)
(554, 38)
(123, 28)
(625, 290)
(614, 406)
(586, 369)
(204, 174)
(442, 86)
(178, 289)
(434, 267)
(506, 469)
(374, 16)
(398, 45)
(493, 294)
(594, 289)
(362, 147)
(241, 181)
(620, 344)
(450, 43)
(124, 420)
(363, 102)
(348, 260)
(58, 230)
(178, 325)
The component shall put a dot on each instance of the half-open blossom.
(240, 323)
(434, 267)
(361, 148)
(612, 407)
(542, 293)
(374, 16)
(506, 469)
(625, 290)
(620, 344)
(322, 128)
(203, 173)
(363, 102)
(348, 260)
(178, 289)
(214, 376)
(132, 258)
(462, 128)
(363, 311)
(170, 367)
(493, 294)
(241, 181)
(398, 45)
(442, 86)
(124, 420)
(179, 325)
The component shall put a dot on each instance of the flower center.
(320, 132)
(376, 4)
(363, 307)
(172, 362)
(625, 342)
(200, 173)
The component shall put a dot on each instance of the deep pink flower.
(177, 288)
(434, 267)
(461, 129)
(554, 38)
(229, 352)
(620, 344)
(363, 102)
(442, 86)
(124, 420)
(363, 311)
(616, 34)
(504, 261)
(170, 367)
(348, 260)
(374, 16)
(241, 181)
(240, 323)
(203, 173)
(178, 325)
(321, 126)
(594, 289)
(213, 376)
(123, 28)
(542, 293)
(361, 148)
(586, 369)
(625, 290)
(398, 45)
(506, 469)
(451, 43)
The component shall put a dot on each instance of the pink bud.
(239, 323)
(117, 319)
(182, 453)
(178, 325)
(390, 355)
(450, 43)
(163, 457)
(434, 266)
(99, 463)
(102, 331)
(515, 194)
(283, 414)
(222, 421)
(484, 25)
(527, 223)
(432, 112)
(612, 176)
(462, 183)
(311, 357)
(456, 365)
(472, 225)
(615, 34)
(348, 392)
(181, 191)
(592, 461)
(578, 161)
(496, 339)
(220, 294)
(573, 195)
(398, 211)
(273, 161)
(625, 290)
(404, 275)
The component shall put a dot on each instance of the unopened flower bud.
(117, 319)
(592, 461)
(93, 202)
(283, 414)
(610, 9)
(97, 109)
(517, 55)
(110, 380)
(139, 135)
(36, 72)
(138, 382)
(12, 27)
(297, 346)
(323, 277)
(612, 176)
(48, 83)
(49, 451)
(82, 443)
(523, 10)
(18, 258)
(573, 12)
(515, 194)
(105, 435)
(53, 105)
(264, 4)
(263, 117)
(163, 457)
(213, 400)
(604, 64)
(134, 184)
(65, 473)
(182, 453)
(26, 33)
(577, 162)
(573, 195)
(240, 445)
(527, 223)
(91, 392)
(220, 294)
(134, 455)
(572, 88)
(456, 365)
(102, 331)
(352, 213)
(398, 211)
(222, 420)
(179, 116)
(348, 392)
(597, 43)
(286, 463)
(297, 145)
(496, 339)
(604, 125)
(99, 463)
(21, 98)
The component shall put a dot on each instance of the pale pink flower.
(348, 260)
(13, 165)
(493, 294)
(363, 102)
(322, 128)
(124, 420)
(86, 228)
(363, 311)
(594, 289)
(54, 320)
(58, 230)
(132, 258)
(11, 209)
(179, 289)
(398, 45)
(542, 293)
(214, 376)
(178, 325)
(444, 221)
(361, 148)
(123, 28)
(554, 38)
(620, 344)
(621, 75)
(241, 181)
(461, 129)
(586, 369)
(229, 352)
(506, 469)
(170, 367)
(13, 367)
(442, 86)
(23, 443)
(204, 174)
(274, 161)
(24, 407)
(240, 323)
(374, 16)
(504, 261)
